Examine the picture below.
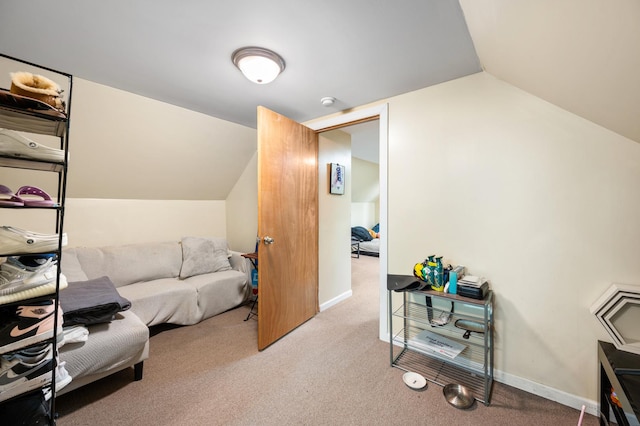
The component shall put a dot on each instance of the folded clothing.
(75, 333)
(91, 302)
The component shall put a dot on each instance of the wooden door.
(287, 216)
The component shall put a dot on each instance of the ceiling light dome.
(258, 64)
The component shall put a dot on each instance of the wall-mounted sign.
(337, 179)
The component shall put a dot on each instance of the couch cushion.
(131, 263)
(110, 345)
(218, 292)
(166, 300)
(70, 266)
(204, 255)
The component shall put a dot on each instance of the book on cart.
(435, 343)
(473, 287)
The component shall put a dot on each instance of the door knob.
(268, 240)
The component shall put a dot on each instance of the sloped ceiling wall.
(582, 55)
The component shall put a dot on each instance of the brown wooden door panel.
(288, 213)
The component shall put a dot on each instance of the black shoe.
(23, 373)
(26, 324)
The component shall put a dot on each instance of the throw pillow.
(203, 256)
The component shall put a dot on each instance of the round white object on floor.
(414, 380)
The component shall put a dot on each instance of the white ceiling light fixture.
(327, 101)
(258, 64)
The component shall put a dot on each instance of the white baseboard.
(561, 397)
(326, 305)
(547, 392)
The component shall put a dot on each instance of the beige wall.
(364, 214)
(128, 146)
(242, 209)
(540, 201)
(99, 222)
(365, 195)
(366, 182)
(334, 275)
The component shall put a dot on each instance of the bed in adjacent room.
(368, 240)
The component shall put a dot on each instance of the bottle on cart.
(438, 275)
(430, 269)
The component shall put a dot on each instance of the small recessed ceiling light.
(258, 64)
(328, 101)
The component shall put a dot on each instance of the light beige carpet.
(332, 370)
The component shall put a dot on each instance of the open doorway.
(378, 114)
(349, 222)
(365, 209)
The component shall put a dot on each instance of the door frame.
(381, 113)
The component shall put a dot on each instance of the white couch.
(166, 282)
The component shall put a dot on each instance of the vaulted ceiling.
(582, 55)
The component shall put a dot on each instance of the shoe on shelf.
(19, 375)
(33, 355)
(16, 240)
(28, 324)
(14, 276)
(34, 197)
(13, 144)
(62, 379)
(29, 355)
(33, 262)
(8, 198)
(41, 290)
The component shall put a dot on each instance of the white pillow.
(203, 255)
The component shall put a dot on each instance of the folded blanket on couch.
(91, 302)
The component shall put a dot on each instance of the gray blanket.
(91, 302)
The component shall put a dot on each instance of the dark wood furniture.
(253, 258)
(620, 371)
